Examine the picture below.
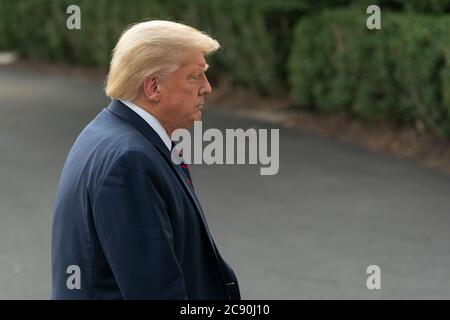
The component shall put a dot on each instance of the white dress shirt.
(152, 121)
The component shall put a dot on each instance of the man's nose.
(206, 86)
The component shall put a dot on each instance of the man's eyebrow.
(205, 66)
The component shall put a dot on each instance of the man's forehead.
(196, 62)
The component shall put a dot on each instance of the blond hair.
(151, 48)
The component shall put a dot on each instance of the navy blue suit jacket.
(126, 217)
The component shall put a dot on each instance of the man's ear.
(151, 89)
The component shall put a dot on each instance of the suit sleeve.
(135, 233)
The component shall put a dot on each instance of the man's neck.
(152, 110)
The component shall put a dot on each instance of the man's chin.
(187, 125)
(197, 115)
(190, 124)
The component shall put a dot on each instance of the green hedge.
(336, 64)
(429, 6)
(400, 73)
(418, 6)
(3, 36)
(255, 35)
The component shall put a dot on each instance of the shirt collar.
(152, 121)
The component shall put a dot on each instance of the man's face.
(182, 93)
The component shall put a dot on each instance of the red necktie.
(184, 168)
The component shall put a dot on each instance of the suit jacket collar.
(122, 111)
(151, 120)
(128, 115)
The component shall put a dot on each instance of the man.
(127, 222)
